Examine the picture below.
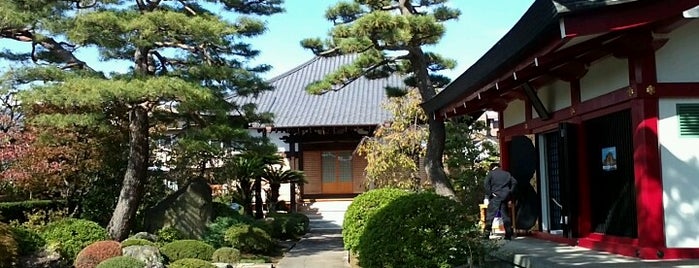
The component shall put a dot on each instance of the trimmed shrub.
(97, 252)
(363, 207)
(419, 230)
(249, 239)
(69, 236)
(29, 240)
(184, 249)
(15, 211)
(137, 242)
(8, 247)
(169, 234)
(226, 255)
(216, 230)
(122, 262)
(191, 263)
(287, 226)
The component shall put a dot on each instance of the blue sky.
(481, 25)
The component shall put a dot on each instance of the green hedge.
(69, 235)
(122, 262)
(216, 230)
(10, 211)
(226, 255)
(363, 207)
(249, 239)
(419, 230)
(288, 225)
(187, 249)
(29, 240)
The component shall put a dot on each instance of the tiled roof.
(359, 103)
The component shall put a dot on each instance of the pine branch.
(163, 61)
(372, 68)
(186, 7)
(57, 48)
(80, 4)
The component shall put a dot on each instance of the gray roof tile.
(359, 103)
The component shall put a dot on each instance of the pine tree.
(186, 59)
(390, 35)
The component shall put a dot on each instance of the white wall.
(513, 114)
(604, 76)
(678, 60)
(555, 96)
(680, 175)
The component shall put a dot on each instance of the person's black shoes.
(508, 237)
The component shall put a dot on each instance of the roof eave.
(538, 23)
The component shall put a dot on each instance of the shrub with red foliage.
(97, 252)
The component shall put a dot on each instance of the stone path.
(317, 250)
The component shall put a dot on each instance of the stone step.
(325, 206)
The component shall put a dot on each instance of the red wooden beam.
(622, 17)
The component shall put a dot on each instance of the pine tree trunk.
(434, 166)
(136, 171)
(436, 139)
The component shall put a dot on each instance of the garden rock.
(222, 265)
(187, 210)
(148, 254)
(43, 259)
(145, 236)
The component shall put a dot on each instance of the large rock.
(188, 210)
(148, 254)
(47, 258)
(145, 236)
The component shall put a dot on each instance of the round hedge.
(249, 239)
(363, 207)
(28, 240)
(216, 230)
(288, 225)
(417, 230)
(191, 263)
(137, 242)
(122, 262)
(97, 252)
(69, 236)
(8, 247)
(185, 249)
(169, 234)
(226, 255)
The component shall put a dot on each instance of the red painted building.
(599, 121)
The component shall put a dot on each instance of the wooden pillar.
(646, 154)
(292, 186)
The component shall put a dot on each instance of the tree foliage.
(468, 155)
(186, 59)
(389, 36)
(394, 152)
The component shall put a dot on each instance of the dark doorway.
(523, 163)
(611, 176)
(562, 178)
(555, 203)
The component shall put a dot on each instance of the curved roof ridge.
(295, 69)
